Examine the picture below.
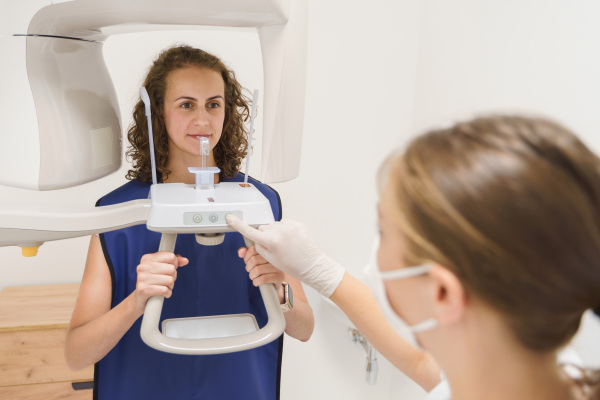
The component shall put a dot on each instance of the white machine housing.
(180, 208)
(62, 126)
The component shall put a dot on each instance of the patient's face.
(194, 107)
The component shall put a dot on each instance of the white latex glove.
(287, 245)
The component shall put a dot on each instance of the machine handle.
(152, 336)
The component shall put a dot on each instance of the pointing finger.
(243, 228)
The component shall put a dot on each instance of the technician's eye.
(186, 105)
(214, 105)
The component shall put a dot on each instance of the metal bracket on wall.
(371, 362)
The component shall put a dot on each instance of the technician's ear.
(450, 296)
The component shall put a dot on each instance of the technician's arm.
(95, 328)
(358, 303)
(299, 321)
(289, 246)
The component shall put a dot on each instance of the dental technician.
(193, 95)
(489, 250)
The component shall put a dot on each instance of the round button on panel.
(197, 218)
(213, 218)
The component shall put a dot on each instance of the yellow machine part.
(29, 251)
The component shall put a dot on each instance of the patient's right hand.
(288, 246)
(156, 275)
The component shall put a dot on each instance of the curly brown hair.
(231, 148)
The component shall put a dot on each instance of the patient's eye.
(187, 104)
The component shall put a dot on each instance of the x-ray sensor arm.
(62, 119)
(29, 226)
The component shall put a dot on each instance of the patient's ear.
(450, 297)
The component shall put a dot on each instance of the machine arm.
(64, 116)
(30, 226)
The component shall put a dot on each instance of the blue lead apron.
(215, 282)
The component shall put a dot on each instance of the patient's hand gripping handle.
(152, 336)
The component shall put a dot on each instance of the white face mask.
(409, 272)
(376, 280)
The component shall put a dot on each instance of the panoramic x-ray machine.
(61, 128)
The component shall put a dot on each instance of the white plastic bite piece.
(204, 151)
(205, 175)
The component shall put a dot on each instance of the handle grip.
(153, 337)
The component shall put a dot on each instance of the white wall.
(360, 92)
(378, 71)
(540, 57)
(534, 56)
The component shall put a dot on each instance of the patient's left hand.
(260, 271)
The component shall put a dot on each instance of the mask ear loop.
(409, 272)
(424, 326)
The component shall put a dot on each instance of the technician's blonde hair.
(511, 205)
